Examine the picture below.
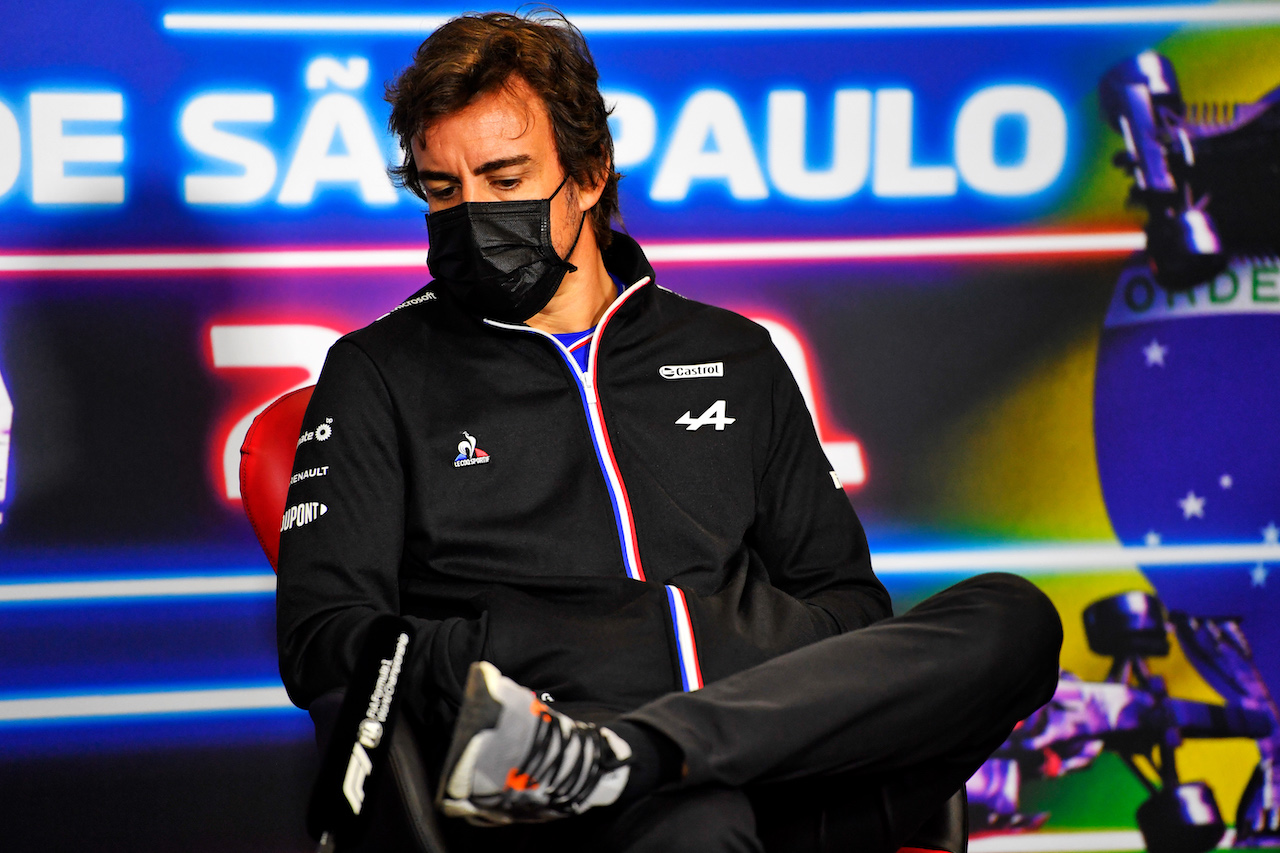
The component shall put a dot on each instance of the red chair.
(266, 464)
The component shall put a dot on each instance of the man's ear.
(589, 194)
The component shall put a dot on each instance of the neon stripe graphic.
(890, 248)
(747, 22)
(690, 670)
(1027, 560)
(1096, 841)
(162, 587)
(248, 259)
(89, 706)
(1072, 557)
(959, 246)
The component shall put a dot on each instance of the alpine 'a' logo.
(468, 453)
(714, 416)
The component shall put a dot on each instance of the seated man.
(681, 642)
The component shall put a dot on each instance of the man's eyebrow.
(491, 166)
(504, 163)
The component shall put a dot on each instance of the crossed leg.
(914, 703)
(850, 743)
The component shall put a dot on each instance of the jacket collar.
(624, 258)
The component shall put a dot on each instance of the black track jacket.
(666, 520)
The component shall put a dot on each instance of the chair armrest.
(947, 831)
(404, 796)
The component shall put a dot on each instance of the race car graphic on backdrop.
(1184, 396)
(1132, 714)
(1208, 174)
(1183, 422)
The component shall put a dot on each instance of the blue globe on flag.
(1187, 431)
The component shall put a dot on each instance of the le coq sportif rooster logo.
(468, 453)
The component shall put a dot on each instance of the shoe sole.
(479, 712)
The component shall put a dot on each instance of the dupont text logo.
(304, 513)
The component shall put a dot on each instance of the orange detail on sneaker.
(517, 781)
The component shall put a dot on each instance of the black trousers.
(845, 745)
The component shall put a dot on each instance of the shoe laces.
(566, 788)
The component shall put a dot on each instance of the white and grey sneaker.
(515, 760)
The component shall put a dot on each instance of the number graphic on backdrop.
(6, 428)
(264, 346)
(845, 455)
(305, 346)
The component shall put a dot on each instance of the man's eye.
(507, 183)
(442, 193)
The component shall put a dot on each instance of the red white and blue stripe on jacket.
(682, 626)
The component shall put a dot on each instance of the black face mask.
(496, 257)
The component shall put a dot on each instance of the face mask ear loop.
(581, 222)
(574, 245)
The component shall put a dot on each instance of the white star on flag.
(1192, 506)
(1259, 575)
(1271, 534)
(1155, 353)
(1225, 481)
(1152, 539)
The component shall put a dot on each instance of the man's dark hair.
(477, 54)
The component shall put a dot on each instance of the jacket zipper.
(681, 624)
(599, 436)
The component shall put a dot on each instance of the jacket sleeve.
(805, 530)
(341, 542)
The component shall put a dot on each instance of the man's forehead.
(512, 113)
